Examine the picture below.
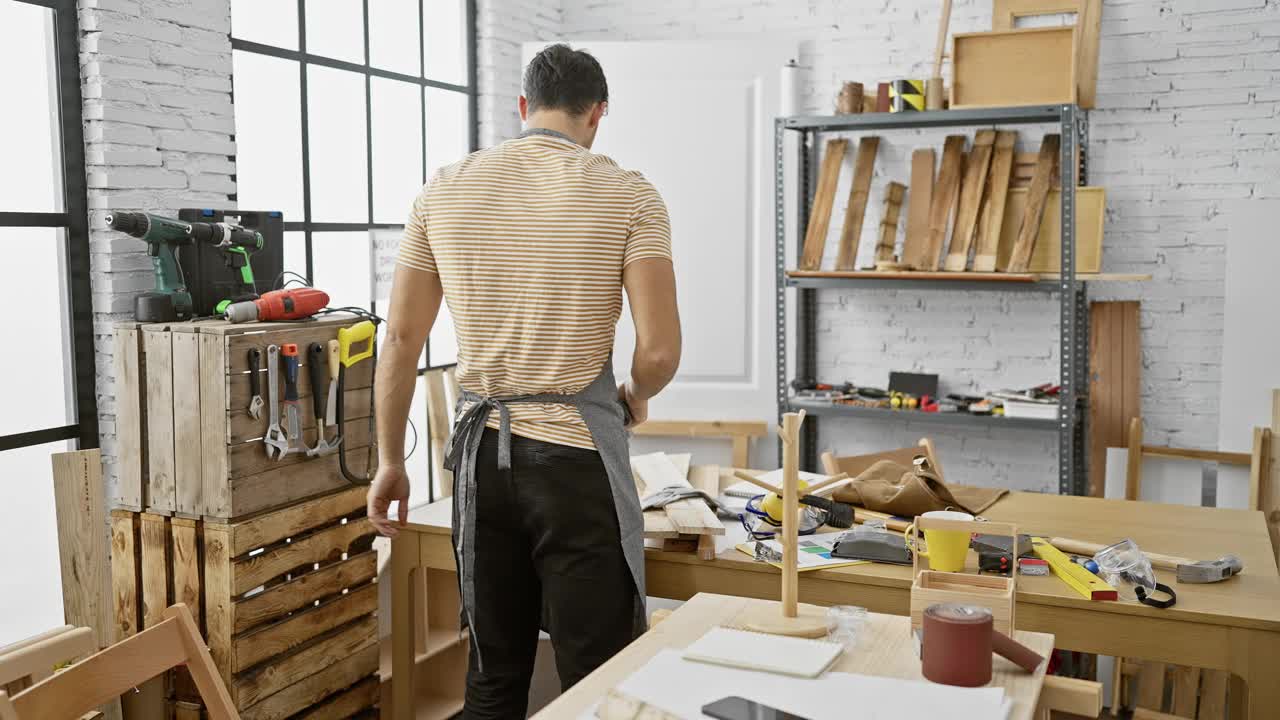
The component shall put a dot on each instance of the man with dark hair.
(532, 243)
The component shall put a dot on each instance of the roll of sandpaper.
(958, 641)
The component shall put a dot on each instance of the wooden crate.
(1031, 66)
(204, 457)
(287, 601)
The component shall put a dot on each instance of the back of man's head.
(561, 78)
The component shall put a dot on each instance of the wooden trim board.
(1033, 66)
(1115, 363)
(1046, 257)
(815, 237)
(975, 178)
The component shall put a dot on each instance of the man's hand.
(638, 406)
(391, 483)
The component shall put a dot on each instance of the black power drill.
(171, 300)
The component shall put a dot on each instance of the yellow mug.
(944, 549)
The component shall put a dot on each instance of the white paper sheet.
(683, 687)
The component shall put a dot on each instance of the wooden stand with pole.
(807, 622)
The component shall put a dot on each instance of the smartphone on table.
(738, 708)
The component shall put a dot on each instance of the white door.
(697, 120)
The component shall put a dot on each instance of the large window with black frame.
(343, 109)
(49, 404)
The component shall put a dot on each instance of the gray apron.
(604, 416)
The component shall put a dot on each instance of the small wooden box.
(204, 453)
(288, 600)
(994, 592)
(1031, 66)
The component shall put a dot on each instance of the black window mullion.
(473, 101)
(306, 140)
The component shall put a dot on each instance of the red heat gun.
(287, 304)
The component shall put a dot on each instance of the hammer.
(1187, 570)
(318, 368)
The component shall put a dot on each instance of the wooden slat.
(915, 244)
(293, 482)
(1218, 456)
(301, 334)
(945, 193)
(1133, 471)
(689, 516)
(707, 479)
(253, 686)
(257, 329)
(188, 478)
(438, 428)
(187, 565)
(1150, 693)
(131, 438)
(1186, 689)
(975, 180)
(359, 377)
(1213, 695)
(918, 275)
(893, 194)
(991, 219)
(815, 239)
(1030, 226)
(250, 458)
(126, 572)
(278, 525)
(363, 694)
(313, 689)
(155, 568)
(1114, 382)
(1088, 19)
(250, 572)
(249, 649)
(160, 457)
(218, 596)
(276, 601)
(216, 490)
(856, 209)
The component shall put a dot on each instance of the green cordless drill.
(171, 300)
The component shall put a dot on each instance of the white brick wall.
(1187, 118)
(501, 27)
(156, 81)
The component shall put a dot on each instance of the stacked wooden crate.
(273, 556)
(287, 601)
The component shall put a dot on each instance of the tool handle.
(1014, 651)
(290, 353)
(316, 366)
(255, 364)
(361, 332)
(1080, 547)
(335, 359)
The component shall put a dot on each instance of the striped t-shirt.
(529, 239)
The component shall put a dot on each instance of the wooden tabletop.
(886, 650)
(1251, 599)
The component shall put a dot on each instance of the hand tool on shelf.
(1187, 570)
(255, 383)
(292, 413)
(318, 369)
(335, 364)
(171, 300)
(275, 440)
(362, 332)
(287, 304)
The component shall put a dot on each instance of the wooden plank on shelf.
(160, 458)
(131, 438)
(1029, 228)
(975, 179)
(945, 192)
(815, 238)
(888, 242)
(856, 209)
(915, 243)
(1046, 256)
(991, 220)
(1002, 68)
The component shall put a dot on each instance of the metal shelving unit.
(1073, 301)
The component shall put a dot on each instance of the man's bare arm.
(651, 291)
(415, 301)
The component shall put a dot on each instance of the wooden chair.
(1193, 693)
(111, 672)
(741, 433)
(854, 465)
(30, 661)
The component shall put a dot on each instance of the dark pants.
(546, 545)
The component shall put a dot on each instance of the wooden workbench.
(1232, 625)
(885, 649)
